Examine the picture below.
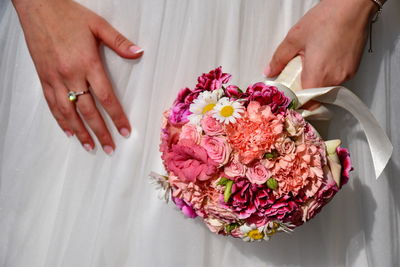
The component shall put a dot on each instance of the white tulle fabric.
(62, 206)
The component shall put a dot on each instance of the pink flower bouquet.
(245, 161)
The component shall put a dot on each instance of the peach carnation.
(301, 170)
(255, 133)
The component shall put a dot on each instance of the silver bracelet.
(379, 3)
(374, 19)
(380, 6)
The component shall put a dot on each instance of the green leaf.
(228, 190)
(271, 155)
(223, 181)
(292, 104)
(268, 156)
(230, 227)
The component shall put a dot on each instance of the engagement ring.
(73, 96)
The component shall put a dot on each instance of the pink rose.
(310, 134)
(190, 162)
(217, 148)
(235, 169)
(190, 132)
(294, 123)
(285, 146)
(211, 126)
(258, 174)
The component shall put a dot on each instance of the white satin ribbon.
(289, 81)
(379, 144)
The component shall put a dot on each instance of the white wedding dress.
(62, 206)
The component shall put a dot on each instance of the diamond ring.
(73, 96)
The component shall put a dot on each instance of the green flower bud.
(228, 190)
(272, 183)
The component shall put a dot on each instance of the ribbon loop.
(379, 144)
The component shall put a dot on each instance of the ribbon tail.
(380, 146)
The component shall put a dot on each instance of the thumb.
(283, 54)
(116, 41)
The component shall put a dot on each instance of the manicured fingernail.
(267, 71)
(108, 149)
(135, 49)
(125, 132)
(68, 133)
(88, 147)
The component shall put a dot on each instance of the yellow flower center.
(207, 108)
(271, 232)
(227, 111)
(255, 234)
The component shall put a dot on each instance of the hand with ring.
(63, 39)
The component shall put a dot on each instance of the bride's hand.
(330, 38)
(63, 39)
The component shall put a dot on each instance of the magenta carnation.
(232, 91)
(213, 80)
(285, 209)
(268, 95)
(242, 200)
(179, 113)
(180, 109)
(185, 207)
(345, 161)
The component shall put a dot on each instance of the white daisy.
(253, 233)
(204, 103)
(227, 111)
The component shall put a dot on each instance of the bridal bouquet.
(246, 162)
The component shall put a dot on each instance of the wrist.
(27, 6)
(361, 9)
